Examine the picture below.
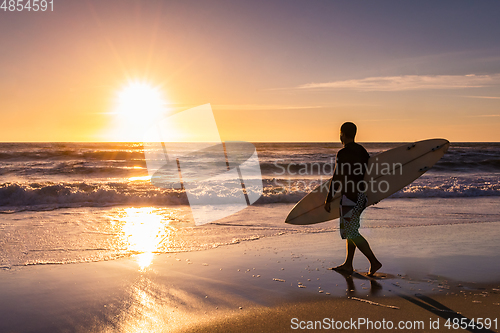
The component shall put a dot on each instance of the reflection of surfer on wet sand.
(375, 286)
(348, 179)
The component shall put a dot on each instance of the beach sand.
(431, 272)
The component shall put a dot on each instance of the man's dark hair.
(349, 130)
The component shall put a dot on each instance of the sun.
(138, 104)
(140, 100)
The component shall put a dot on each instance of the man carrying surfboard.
(348, 178)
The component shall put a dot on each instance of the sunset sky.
(272, 70)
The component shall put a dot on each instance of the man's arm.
(334, 188)
(334, 185)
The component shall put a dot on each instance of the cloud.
(390, 119)
(409, 82)
(483, 97)
(262, 107)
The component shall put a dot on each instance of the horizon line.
(246, 141)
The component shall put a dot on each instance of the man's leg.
(364, 247)
(347, 265)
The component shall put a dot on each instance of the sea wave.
(43, 196)
(93, 170)
(100, 160)
(49, 195)
(55, 155)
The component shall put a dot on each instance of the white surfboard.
(387, 173)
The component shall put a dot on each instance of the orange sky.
(272, 71)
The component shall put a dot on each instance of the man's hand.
(327, 206)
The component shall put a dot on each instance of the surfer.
(348, 178)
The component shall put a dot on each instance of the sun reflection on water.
(144, 230)
(139, 178)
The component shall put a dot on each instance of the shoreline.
(97, 233)
(204, 290)
(444, 263)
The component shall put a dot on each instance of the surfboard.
(387, 173)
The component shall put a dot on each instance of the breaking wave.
(49, 195)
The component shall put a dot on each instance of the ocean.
(79, 202)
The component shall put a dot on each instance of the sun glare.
(138, 104)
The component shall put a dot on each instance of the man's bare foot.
(343, 269)
(374, 267)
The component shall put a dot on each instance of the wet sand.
(445, 271)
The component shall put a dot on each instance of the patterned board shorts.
(350, 214)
